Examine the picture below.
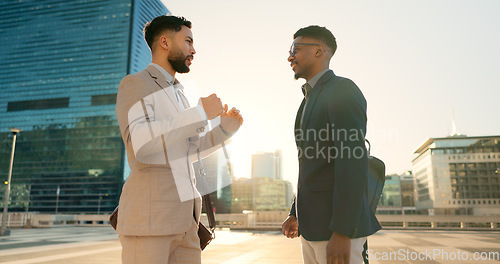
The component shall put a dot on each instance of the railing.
(18, 219)
(28, 220)
(440, 222)
(266, 220)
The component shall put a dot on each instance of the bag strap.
(369, 146)
(210, 212)
(206, 197)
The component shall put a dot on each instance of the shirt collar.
(316, 78)
(165, 74)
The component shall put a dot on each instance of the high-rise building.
(458, 175)
(62, 62)
(266, 165)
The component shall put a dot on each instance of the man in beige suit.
(160, 206)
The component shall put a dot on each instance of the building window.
(38, 104)
(103, 99)
(437, 151)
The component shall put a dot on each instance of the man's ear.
(163, 42)
(319, 51)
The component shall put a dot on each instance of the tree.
(19, 195)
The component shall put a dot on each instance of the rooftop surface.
(96, 245)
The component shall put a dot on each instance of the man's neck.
(315, 72)
(165, 65)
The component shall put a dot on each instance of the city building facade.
(260, 194)
(62, 62)
(458, 175)
(398, 195)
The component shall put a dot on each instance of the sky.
(413, 60)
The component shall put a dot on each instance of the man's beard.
(178, 61)
(297, 75)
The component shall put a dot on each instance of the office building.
(62, 62)
(261, 194)
(407, 184)
(267, 165)
(458, 175)
(242, 193)
(397, 195)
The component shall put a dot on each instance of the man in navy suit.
(331, 211)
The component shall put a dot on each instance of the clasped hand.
(213, 108)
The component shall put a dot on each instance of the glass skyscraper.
(61, 64)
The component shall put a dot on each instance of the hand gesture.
(212, 106)
(233, 113)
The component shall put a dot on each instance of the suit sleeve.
(292, 209)
(148, 132)
(213, 140)
(347, 113)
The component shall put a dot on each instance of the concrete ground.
(100, 245)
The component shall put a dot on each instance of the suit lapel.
(297, 121)
(314, 94)
(162, 83)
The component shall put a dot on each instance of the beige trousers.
(314, 252)
(173, 249)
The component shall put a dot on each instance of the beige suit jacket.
(160, 195)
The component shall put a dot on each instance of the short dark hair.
(319, 33)
(154, 28)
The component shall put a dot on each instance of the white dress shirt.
(177, 89)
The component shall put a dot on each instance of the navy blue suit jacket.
(333, 162)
